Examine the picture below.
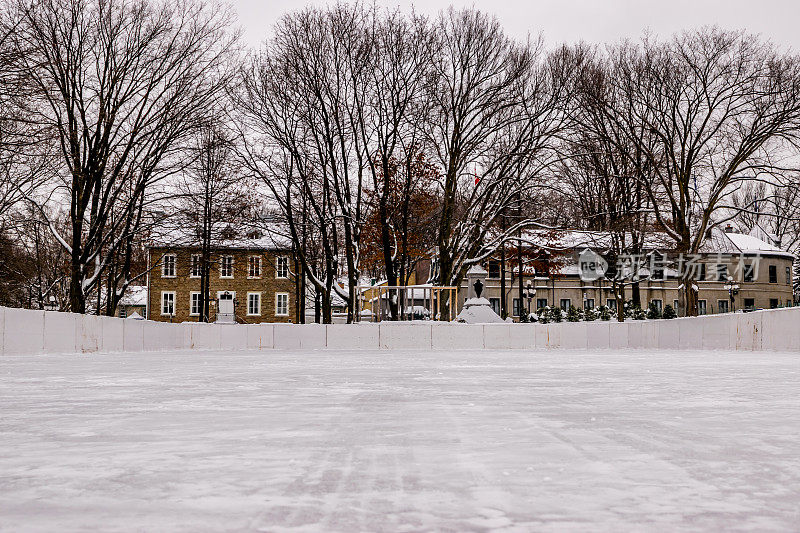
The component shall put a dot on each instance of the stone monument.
(477, 309)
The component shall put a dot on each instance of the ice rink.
(400, 441)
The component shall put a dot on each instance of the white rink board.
(34, 332)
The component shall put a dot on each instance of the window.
(773, 274)
(194, 303)
(495, 304)
(254, 303)
(168, 266)
(168, 303)
(515, 307)
(612, 304)
(749, 272)
(773, 303)
(195, 269)
(589, 303)
(657, 266)
(565, 304)
(722, 272)
(282, 304)
(226, 266)
(675, 305)
(254, 266)
(541, 303)
(123, 312)
(494, 269)
(749, 303)
(722, 306)
(282, 267)
(702, 272)
(659, 304)
(702, 307)
(788, 276)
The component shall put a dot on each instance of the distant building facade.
(250, 283)
(734, 272)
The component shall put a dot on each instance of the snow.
(135, 295)
(749, 244)
(478, 311)
(344, 441)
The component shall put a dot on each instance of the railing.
(435, 302)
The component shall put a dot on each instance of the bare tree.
(212, 199)
(723, 108)
(604, 176)
(388, 120)
(300, 101)
(495, 118)
(25, 161)
(120, 84)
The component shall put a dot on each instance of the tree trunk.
(77, 302)
(503, 307)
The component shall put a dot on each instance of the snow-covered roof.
(748, 244)
(135, 295)
(272, 237)
(599, 240)
(718, 242)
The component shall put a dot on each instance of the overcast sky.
(572, 20)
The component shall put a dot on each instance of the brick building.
(250, 282)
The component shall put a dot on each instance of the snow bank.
(36, 332)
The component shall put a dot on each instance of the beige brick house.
(250, 282)
(765, 282)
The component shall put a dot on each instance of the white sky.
(596, 21)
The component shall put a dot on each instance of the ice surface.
(400, 441)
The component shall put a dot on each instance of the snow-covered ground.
(400, 441)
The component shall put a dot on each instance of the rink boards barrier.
(35, 332)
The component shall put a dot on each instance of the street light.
(530, 292)
(733, 289)
(51, 304)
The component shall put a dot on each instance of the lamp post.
(733, 290)
(530, 292)
(51, 304)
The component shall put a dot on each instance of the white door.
(226, 304)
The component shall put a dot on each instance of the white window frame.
(277, 300)
(198, 264)
(278, 267)
(727, 306)
(705, 308)
(561, 304)
(174, 299)
(192, 294)
(222, 259)
(174, 258)
(258, 310)
(249, 259)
